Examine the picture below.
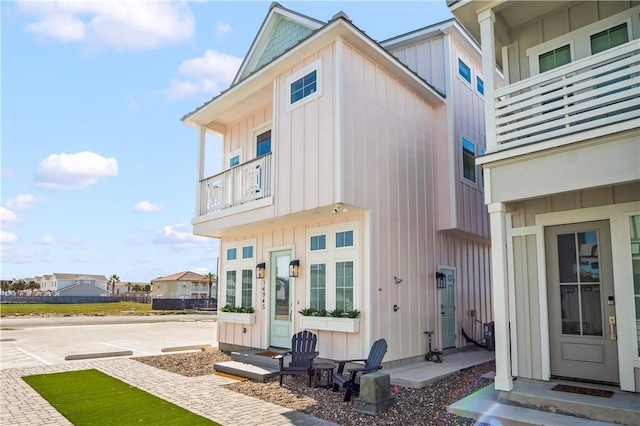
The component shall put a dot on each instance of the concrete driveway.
(30, 342)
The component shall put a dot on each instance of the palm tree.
(113, 280)
(5, 285)
(210, 277)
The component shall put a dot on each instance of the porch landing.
(534, 403)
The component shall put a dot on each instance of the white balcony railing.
(239, 185)
(593, 92)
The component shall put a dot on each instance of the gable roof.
(63, 276)
(281, 29)
(182, 276)
(338, 26)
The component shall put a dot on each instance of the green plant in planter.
(307, 312)
(336, 313)
(248, 310)
(353, 314)
(320, 313)
(227, 308)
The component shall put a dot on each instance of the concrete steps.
(250, 365)
(534, 403)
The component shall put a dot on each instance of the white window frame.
(239, 265)
(314, 66)
(475, 155)
(471, 73)
(319, 250)
(257, 131)
(330, 257)
(610, 26)
(232, 154)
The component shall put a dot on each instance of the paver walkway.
(203, 395)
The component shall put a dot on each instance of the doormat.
(267, 353)
(583, 391)
(231, 376)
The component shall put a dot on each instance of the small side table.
(324, 374)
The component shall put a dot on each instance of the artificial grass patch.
(89, 397)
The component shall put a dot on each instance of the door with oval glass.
(281, 306)
(582, 329)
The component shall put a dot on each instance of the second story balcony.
(240, 185)
(593, 96)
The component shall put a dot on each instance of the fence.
(181, 304)
(73, 299)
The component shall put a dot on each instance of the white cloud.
(47, 239)
(146, 206)
(7, 237)
(208, 74)
(222, 28)
(8, 217)
(10, 255)
(74, 171)
(23, 202)
(121, 25)
(179, 236)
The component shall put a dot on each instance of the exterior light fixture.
(441, 280)
(260, 270)
(293, 268)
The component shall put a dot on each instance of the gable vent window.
(304, 87)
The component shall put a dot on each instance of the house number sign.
(263, 295)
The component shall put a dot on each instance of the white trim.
(465, 180)
(338, 112)
(257, 131)
(239, 264)
(266, 318)
(511, 279)
(471, 73)
(232, 154)
(314, 66)
(534, 60)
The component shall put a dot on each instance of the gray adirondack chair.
(350, 379)
(303, 352)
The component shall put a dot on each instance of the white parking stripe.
(34, 356)
(124, 347)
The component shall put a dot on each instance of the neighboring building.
(562, 178)
(183, 285)
(58, 284)
(357, 168)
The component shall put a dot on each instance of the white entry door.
(448, 310)
(281, 304)
(581, 302)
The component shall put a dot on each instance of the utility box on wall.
(489, 335)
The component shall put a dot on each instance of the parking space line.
(124, 347)
(34, 356)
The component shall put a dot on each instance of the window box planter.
(346, 325)
(237, 317)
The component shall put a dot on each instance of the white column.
(202, 137)
(497, 217)
(487, 19)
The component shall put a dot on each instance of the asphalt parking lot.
(28, 342)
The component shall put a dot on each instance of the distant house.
(349, 184)
(59, 284)
(183, 285)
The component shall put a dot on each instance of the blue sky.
(98, 172)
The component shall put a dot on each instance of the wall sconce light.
(441, 280)
(260, 270)
(293, 268)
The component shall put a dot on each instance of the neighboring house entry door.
(448, 310)
(581, 302)
(281, 307)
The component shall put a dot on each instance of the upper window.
(609, 38)
(232, 254)
(318, 242)
(479, 85)
(263, 144)
(344, 239)
(555, 58)
(304, 86)
(464, 71)
(231, 288)
(468, 160)
(247, 252)
(234, 161)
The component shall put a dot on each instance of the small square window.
(234, 161)
(479, 85)
(464, 71)
(247, 252)
(344, 239)
(468, 160)
(318, 242)
(232, 254)
(303, 87)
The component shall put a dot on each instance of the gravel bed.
(427, 406)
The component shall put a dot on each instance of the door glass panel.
(567, 258)
(282, 288)
(581, 301)
(591, 310)
(634, 225)
(570, 306)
